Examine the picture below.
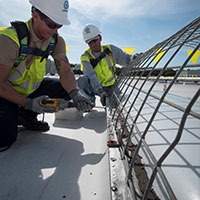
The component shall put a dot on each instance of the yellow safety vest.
(105, 69)
(24, 80)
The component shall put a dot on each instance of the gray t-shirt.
(119, 57)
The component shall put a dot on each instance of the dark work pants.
(9, 111)
(86, 89)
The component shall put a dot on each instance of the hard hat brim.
(94, 38)
(59, 18)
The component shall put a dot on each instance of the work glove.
(109, 91)
(65, 104)
(80, 102)
(136, 55)
(35, 106)
(103, 96)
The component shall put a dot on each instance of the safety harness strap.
(95, 61)
(24, 40)
(22, 32)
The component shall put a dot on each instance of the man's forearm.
(68, 81)
(67, 78)
(8, 93)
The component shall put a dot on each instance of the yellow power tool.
(51, 102)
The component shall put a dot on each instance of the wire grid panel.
(156, 118)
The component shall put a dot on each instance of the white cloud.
(100, 12)
(105, 9)
(14, 10)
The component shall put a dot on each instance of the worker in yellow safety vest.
(24, 48)
(98, 65)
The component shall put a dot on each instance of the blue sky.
(129, 23)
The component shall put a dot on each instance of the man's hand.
(35, 106)
(136, 55)
(81, 103)
(103, 96)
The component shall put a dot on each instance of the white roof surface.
(70, 161)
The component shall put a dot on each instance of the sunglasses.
(93, 41)
(45, 19)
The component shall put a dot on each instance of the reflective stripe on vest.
(104, 69)
(24, 80)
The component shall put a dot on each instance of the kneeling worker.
(22, 70)
(98, 65)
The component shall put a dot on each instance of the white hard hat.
(90, 32)
(57, 10)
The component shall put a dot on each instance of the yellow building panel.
(129, 50)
